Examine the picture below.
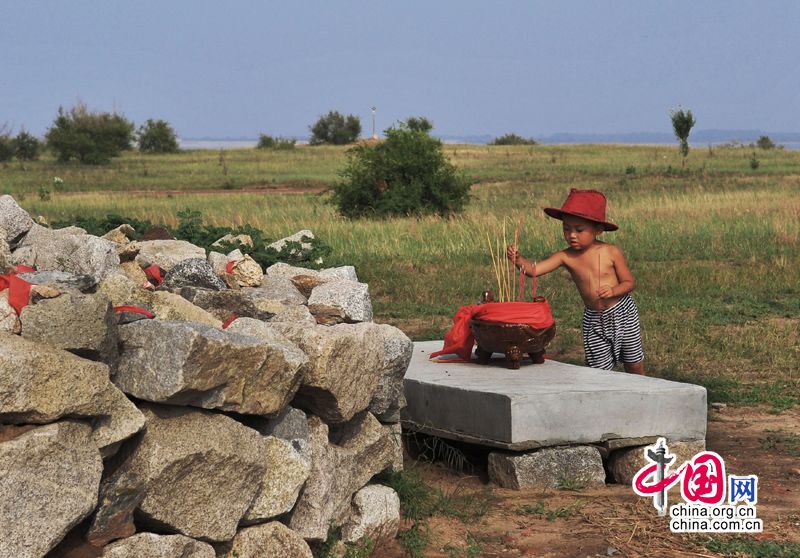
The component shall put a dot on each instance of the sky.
(240, 68)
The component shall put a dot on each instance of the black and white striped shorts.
(612, 336)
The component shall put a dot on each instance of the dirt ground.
(613, 520)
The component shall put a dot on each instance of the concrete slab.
(545, 404)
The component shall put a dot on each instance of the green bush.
(764, 142)
(419, 124)
(157, 136)
(682, 124)
(90, 137)
(27, 146)
(408, 174)
(6, 147)
(268, 142)
(335, 129)
(513, 139)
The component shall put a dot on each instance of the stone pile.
(226, 410)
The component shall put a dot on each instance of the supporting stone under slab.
(546, 404)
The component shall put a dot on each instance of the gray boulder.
(166, 254)
(120, 495)
(6, 259)
(9, 322)
(245, 303)
(49, 481)
(193, 272)
(397, 351)
(185, 363)
(624, 463)
(166, 306)
(59, 250)
(345, 363)
(270, 540)
(547, 468)
(341, 301)
(14, 221)
(151, 545)
(40, 384)
(61, 280)
(375, 513)
(286, 469)
(356, 452)
(201, 469)
(82, 324)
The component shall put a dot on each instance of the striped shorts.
(612, 336)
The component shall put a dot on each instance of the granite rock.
(49, 483)
(547, 468)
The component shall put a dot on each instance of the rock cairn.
(159, 401)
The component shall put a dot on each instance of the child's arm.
(626, 281)
(547, 265)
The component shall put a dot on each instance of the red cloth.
(230, 265)
(229, 321)
(136, 310)
(459, 339)
(154, 273)
(19, 291)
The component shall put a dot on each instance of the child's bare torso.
(590, 269)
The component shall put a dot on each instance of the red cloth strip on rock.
(19, 291)
(459, 339)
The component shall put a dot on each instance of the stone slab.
(543, 405)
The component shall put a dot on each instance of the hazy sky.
(239, 68)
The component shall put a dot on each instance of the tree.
(90, 137)
(157, 136)
(6, 143)
(408, 174)
(764, 142)
(682, 123)
(27, 146)
(419, 124)
(513, 139)
(336, 129)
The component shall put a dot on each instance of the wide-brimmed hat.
(587, 204)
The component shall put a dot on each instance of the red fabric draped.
(459, 339)
(19, 291)
(136, 310)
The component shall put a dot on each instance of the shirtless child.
(611, 332)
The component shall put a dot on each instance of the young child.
(611, 332)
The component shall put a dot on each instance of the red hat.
(587, 204)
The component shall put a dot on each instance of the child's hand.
(512, 253)
(605, 291)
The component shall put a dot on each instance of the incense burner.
(512, 340)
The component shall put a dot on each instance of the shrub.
(764, 142)
(682, 123)
(419, 124)
(408, 174)
(90, 137)
(268, 142)
(157, 136)
(335, 129)
(6, 147)
(27, 146)
(513, 139)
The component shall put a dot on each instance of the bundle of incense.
(504, 270)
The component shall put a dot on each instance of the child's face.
(580, 233)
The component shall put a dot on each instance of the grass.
(784, 442)
(540, 509)
(747, 547)
(715, 248)
(419, 501)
